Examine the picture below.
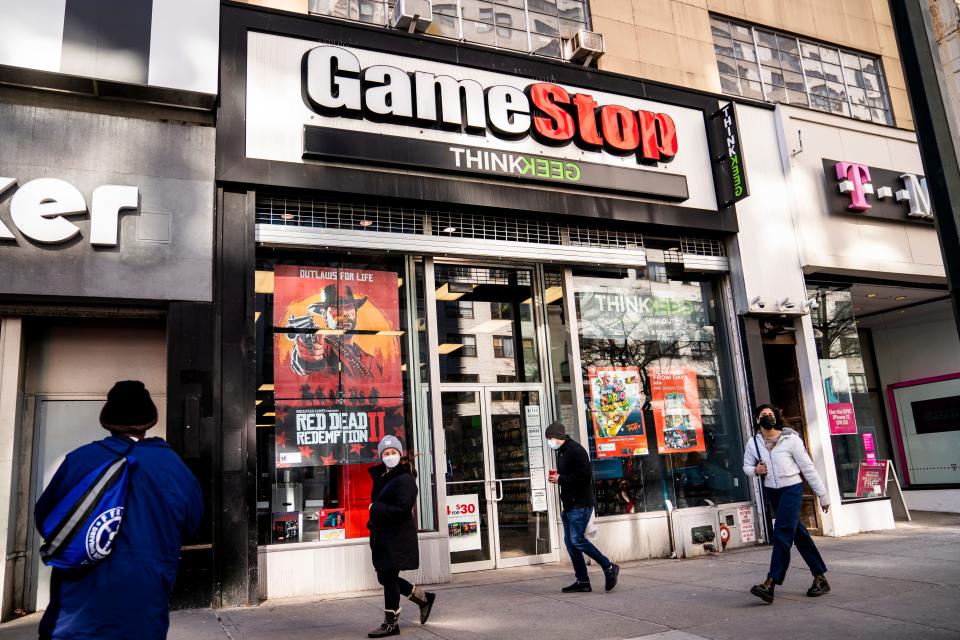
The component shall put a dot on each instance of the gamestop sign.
(308, 102)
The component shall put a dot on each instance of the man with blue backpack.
(113, 519)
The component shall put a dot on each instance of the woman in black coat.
(393, 534)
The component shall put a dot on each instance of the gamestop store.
(458, 245)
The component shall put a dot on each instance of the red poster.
(343, 338)
(338, 385)
(312, 433)
(842, 419)
(616, 400)
(872, 479)
(676, 410)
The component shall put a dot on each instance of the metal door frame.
(493, 486)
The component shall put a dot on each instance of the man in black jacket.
(575, 479)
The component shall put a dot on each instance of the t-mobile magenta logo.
(855, 180)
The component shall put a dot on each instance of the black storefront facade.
(460, 245)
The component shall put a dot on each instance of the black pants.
(393, 587)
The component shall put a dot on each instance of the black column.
(936, 129)
(192, 432)
(236, 557)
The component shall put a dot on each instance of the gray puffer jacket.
(785, 463)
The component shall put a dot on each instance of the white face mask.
(391, 460)
(554, 444)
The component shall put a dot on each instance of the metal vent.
(297, 211)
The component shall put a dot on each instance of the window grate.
(293, 210)
(702, 247)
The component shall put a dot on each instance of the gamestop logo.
(335, 84)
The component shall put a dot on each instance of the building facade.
(453, 233)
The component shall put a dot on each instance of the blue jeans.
(574, 536)
(785, 503)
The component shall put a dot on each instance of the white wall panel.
(184, 39)
(300, 570)
(31, 33)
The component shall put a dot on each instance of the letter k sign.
(39, 209)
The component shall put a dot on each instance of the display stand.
(895, 493)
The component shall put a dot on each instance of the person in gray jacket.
(777, 455)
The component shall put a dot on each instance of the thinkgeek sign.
(308, 102)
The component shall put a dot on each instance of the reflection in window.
(657, 423)
(332, 349)
(482, 347)
(777, 67)
(849, 412)
(502, 23)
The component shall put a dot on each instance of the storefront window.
(334, 361)
(658, 426)
(849, 413)
(495, 341)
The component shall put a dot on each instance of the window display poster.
(312, 433)
(869, 447)
(872, 479)
(615, 408)
(463, 522)
(337, 333)
(676, 410)
(338, 384)
(323, 524)
(538, 499)
(836, 386)
(286, 527)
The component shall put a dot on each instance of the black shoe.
(424, 600)
(764, 591)
(578, 587)
(390, 626)
(820, 586)
(610, 576)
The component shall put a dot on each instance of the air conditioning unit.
(584, 47)
(412, 15)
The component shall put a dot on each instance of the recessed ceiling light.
(901, 311)
(366, 223)
(287, 216)
(858, 308)
(449, 229)
(871, 295)
(900, 298)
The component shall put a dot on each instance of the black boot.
(764, 591)
(390, 626)
(424, 600)
(610, 577)
(819, 587)
(578, 587)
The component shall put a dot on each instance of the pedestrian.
(393, 534)
(777, 455)
(574, 476)
(126, 594)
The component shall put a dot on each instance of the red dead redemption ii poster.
(338, 386)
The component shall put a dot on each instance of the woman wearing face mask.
(393, 534)
(778, 456)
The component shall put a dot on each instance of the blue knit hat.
(389, 442)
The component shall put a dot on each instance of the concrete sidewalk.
(898, 584)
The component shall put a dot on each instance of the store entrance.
(498, 511)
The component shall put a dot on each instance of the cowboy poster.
(676, 410)
(615, 406)
(338, 384)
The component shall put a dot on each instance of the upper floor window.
(528, 26)
(776, 67)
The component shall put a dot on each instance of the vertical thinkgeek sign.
(729, 170)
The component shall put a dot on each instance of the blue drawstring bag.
(81, 529)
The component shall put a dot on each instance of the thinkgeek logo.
(335, 84)
(855, 181)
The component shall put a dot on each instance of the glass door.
(498, 510)
(519, 475)
(469, 494)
